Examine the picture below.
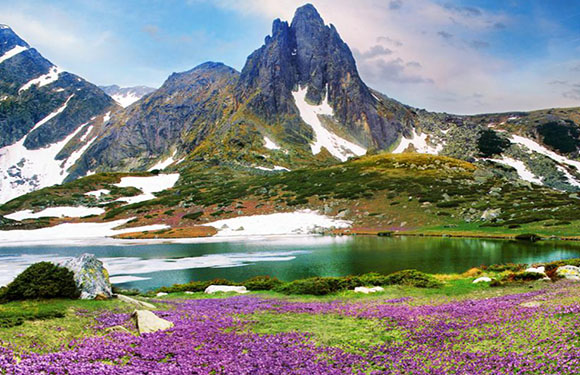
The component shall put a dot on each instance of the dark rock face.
(180, 114)
(309, 53)
(21, 109)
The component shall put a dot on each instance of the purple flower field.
(531, 333)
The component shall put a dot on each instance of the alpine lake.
(148, 267)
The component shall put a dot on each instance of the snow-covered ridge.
(12, 52)
(338, 147)
(419, 142)
(125, 100)
(56, 212)
(44, 79)
(148, 185)
(299, 222)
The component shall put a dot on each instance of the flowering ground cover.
(491, 331)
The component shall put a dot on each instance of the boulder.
(225, 289)
(531, 304)
(569, 272)
(490, 214)
(365, 290)
(540, 269)
(147, 322)
(91, 277)
(483, 279)
(161, 294)
(134, 301)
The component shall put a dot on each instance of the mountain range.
(298, 102)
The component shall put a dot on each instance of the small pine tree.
(40, 281)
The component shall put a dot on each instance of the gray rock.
(148, 322)
(569, 272)
(134, 301)
(91, 277)
(490, 214)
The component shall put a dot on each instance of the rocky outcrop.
(91, 277)
(148, 322)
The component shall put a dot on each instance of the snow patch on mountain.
(299, 222)
(98, 193)
(148, 185)
(125, 96)
(23, 170)
(571, 179)
(44, 79)
(523, 172)
(338, 147)
(419, 142)
(12, 52)
(276, 168)
(162, 164)
(270, 144)
(52, 115)
(55, 212)
(535, 146)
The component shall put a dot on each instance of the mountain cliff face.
(44, 115)
(171, 121)
(308, 54)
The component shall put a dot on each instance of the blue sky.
(456, 56)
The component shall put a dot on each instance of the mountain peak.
(307, 13)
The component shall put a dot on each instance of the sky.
(463, 57)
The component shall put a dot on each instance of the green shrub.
(193, 215)
(512, 267)
(319, 286)
(41, 280)
(262, 283)
(412, 278)
(527, 276)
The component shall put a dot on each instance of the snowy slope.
(338, 147)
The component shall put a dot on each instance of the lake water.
(150, 266)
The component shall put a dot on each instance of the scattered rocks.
(569, 272)
(483, 279)
(134, 301)
(148, 322)
(91, 277)
(225, 289)
(365, 290)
